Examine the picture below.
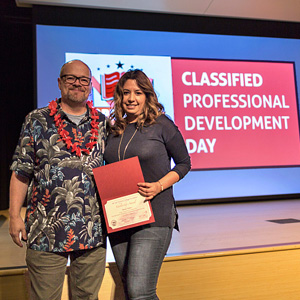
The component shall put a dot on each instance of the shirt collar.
(87, 116)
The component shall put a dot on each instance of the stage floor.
(206, 228)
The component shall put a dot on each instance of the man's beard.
(76, 97)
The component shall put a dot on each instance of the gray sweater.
(155, 145)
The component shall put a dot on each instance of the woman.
(141, 129)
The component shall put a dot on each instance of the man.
(58, 147)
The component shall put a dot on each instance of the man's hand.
(17, 230)
(17, 193)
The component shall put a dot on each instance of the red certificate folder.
(123, 206)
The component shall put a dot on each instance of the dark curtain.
(17, 93)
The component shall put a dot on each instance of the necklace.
(64, 134)
(119, 148)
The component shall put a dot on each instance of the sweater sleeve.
(176, 148)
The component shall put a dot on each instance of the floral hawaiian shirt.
(62, 202)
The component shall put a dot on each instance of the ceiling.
(280, 10)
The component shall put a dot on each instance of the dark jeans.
(139, 253)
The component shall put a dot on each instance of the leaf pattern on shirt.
(63, 212)
(69, 193)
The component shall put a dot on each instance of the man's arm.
(17, 194)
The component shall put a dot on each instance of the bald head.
(75, 62)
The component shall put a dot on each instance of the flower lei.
(64, 134)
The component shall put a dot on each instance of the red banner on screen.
(236, 114)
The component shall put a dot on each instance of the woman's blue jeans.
(139, 253)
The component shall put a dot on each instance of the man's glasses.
(72, 79)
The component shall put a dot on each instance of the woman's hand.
(149, 189)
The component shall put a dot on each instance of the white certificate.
(127, 210)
